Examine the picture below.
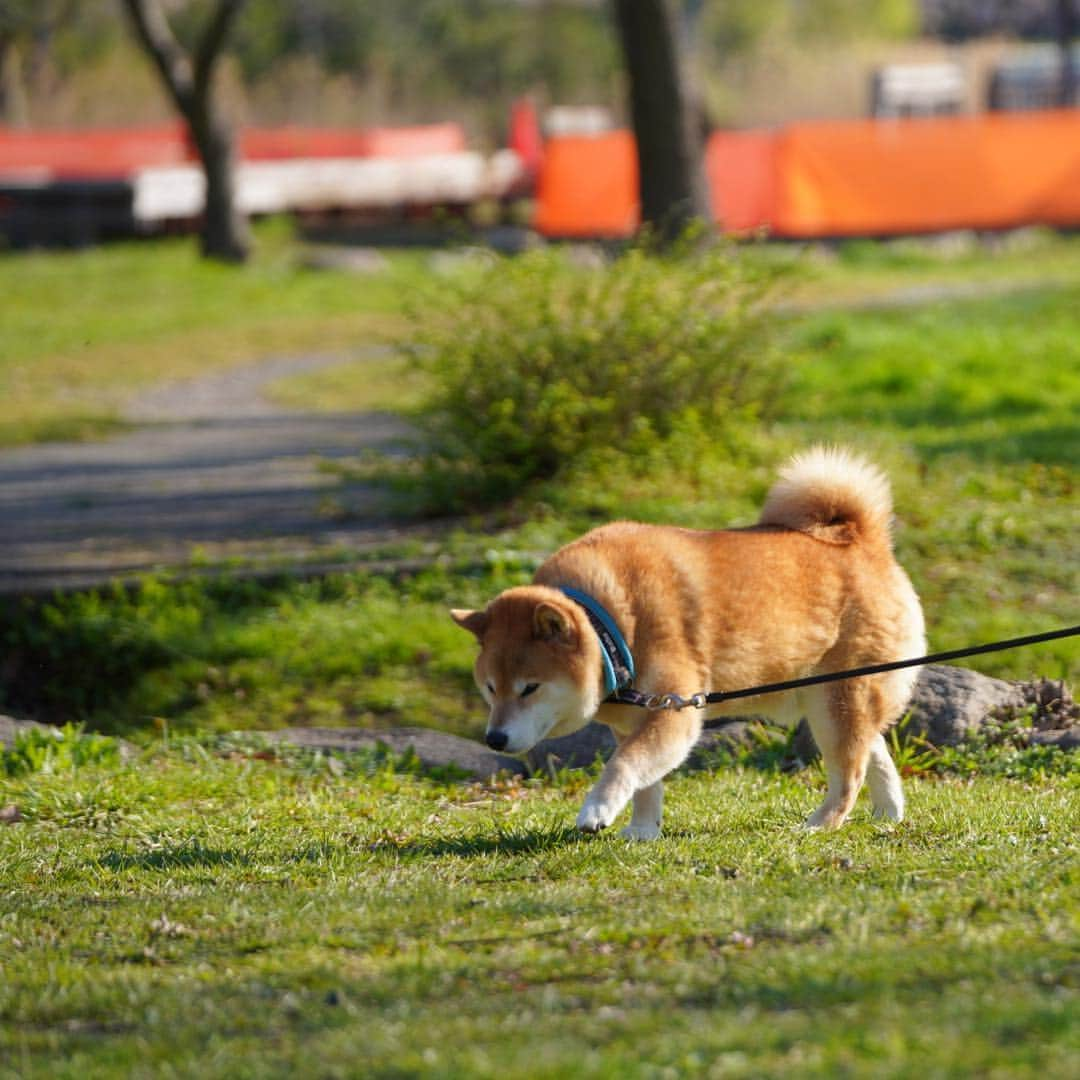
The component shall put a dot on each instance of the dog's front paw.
(595, 816)
(649, 831)
(822, 819)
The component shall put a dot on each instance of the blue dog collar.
(615, 654)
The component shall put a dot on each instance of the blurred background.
(341, 62)
(490, 101)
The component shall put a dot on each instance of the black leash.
(700, 700)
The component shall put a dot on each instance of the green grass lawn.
(907, 269)
(215, 912)
(211, 908)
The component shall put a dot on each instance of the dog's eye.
(530, 689)
(490, 689)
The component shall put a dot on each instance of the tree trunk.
(1066, 31)
(190, 83)
(666, 120)
(225, 234)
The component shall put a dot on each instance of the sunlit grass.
(214, 913)
(910, 270)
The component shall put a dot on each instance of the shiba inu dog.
(812, 587)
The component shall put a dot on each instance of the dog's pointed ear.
(551, 624)
(473, 621)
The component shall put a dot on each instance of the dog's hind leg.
(886, 791)
(844, 731)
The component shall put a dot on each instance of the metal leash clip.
(658, 702)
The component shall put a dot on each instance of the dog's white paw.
(649, 831)
(595, 816)
(822, 819)
(816, 821)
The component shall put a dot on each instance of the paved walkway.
(213, 469)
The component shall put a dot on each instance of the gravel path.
(214, 469)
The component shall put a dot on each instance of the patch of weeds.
(57, 750)
(998, 747)
(1004, 748)
(912, 754)
(573, 780)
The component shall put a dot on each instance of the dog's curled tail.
(833, 495)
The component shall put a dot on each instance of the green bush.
(536, 360)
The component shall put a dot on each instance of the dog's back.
(813, 585)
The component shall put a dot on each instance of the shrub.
(535, 360)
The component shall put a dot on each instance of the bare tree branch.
(213, 38)
(1066, 31)
(168, 55)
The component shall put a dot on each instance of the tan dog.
(813, 587)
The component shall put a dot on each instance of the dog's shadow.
(526, 842)
(185, 856)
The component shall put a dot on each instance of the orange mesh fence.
(904, 176)
(740, 167)
(846, 178)
(588, 186)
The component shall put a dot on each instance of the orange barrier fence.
(740, 167)
(847, 178)
(989, 172)
(587, 186)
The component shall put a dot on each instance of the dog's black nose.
(497, 740)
